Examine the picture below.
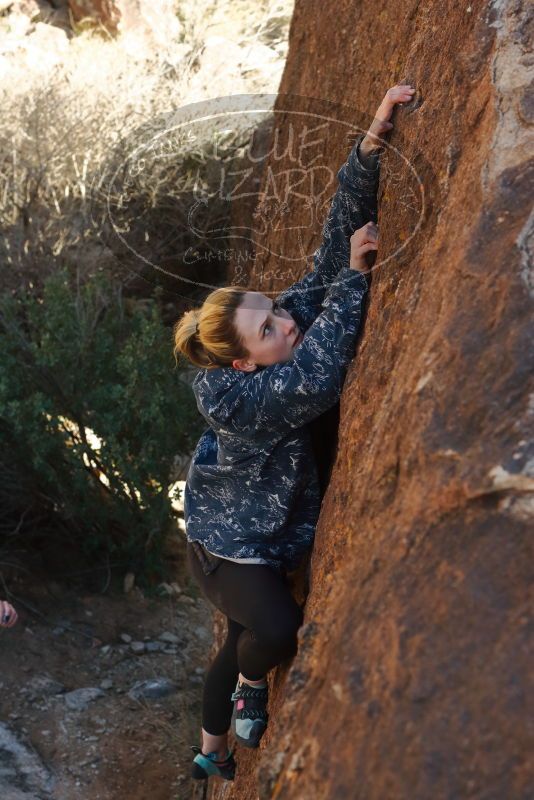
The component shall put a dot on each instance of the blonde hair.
(207, 336)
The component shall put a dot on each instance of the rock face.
(411, 677)
(153, 21)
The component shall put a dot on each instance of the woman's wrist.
(370, 147)
(362, 269)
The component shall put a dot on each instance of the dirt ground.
(100, 744)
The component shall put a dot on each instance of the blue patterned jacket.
(252, 490)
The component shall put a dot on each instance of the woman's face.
(269, 333)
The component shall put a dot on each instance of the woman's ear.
(244, 365)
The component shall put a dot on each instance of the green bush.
(93, 412)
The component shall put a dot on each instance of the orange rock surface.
(411, 678)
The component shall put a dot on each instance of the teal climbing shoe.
(249, 716)
(204, 766)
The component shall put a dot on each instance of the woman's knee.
(280, 635)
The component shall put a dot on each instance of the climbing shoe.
(249, 717)
(204, 766)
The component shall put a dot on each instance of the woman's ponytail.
(207, 336)
(187, 340)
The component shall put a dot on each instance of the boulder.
(154, 22)
(411, 677)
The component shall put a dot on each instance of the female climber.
(251, 501)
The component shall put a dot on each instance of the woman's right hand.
(361, 242)
(8, 615)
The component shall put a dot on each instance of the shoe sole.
(198, 774)
(257, 730)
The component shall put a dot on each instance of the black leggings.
(262, 618)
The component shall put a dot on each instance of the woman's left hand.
(401, 93)
(8, 615)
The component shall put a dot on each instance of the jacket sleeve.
(353, 205)
(275, 399)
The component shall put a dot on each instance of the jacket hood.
(218, 392)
